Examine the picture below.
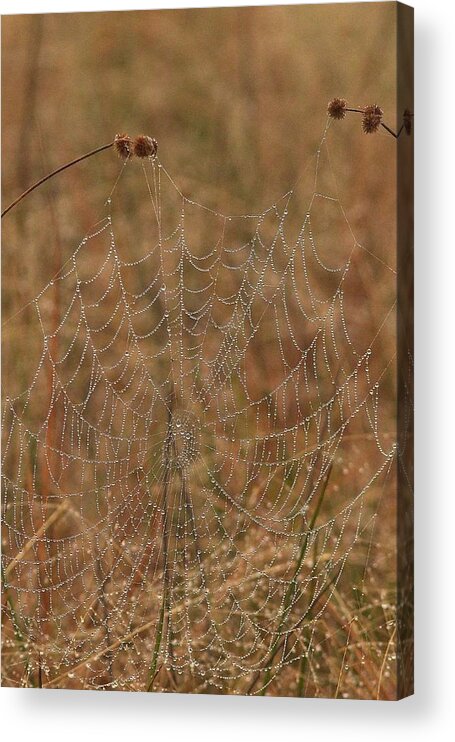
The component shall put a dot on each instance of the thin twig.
(55, 172)
(394, 134)
(384, 126)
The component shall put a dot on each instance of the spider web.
(199, 449)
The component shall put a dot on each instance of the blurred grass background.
(235, 97)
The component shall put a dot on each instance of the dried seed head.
(337, 108)
(407, 121)
(122, 144)
(145, 147)
(371, 120)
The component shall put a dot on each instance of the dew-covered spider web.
(193, 463)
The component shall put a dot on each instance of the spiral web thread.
(183, 482)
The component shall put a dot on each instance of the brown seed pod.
(371, 119)
(145, 146)
(122, 144)
(337, 108)
(407, 121)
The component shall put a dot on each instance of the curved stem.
(55, 172)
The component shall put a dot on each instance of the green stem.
(302, 667)
(165, 604)
(18, 635)
(287, 605)
(156, 649)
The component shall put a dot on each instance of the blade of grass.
(18, 634)
(52, 518)
(156, 650)
(165, 605)
(287, 604)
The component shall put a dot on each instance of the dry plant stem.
(29, 545)
(384, 126)
(343, 661)
(55, 172)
